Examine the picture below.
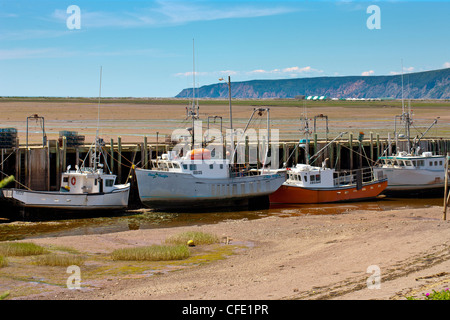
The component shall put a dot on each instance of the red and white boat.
(310, 184)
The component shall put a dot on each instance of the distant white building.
(316, 98)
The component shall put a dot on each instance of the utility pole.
(446, 197)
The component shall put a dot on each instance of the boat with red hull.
(309, 184)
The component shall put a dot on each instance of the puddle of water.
(64, 225)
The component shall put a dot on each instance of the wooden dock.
(39, 167)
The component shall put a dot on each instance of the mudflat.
(337, 256)
(133, 119)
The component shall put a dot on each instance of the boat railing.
(351, 177)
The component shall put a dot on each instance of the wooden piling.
(145, 164)
(371, 146)
(378, 146)
(111, 152)
(350, 146)
(119, 159)
(64, 155)
(446, 198)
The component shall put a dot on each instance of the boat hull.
(174, 189)
(299, 195)
(401, 180)
(115, 200)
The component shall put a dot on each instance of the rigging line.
(131, 168)
(7, 157)
(365, 156)
(16, 181)
(287, 160)
(118, 160)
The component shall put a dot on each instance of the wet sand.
(276, 257)
(133, 121)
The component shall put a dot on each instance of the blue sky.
(146, 47)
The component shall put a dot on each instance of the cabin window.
(318, 178)
(421, 162)
(312, 179)
(109, 182)
(192, 167)
(221, 166)
(211, 166)
(95, 182)
(176, 165)
(170, 165)
(440, 162)
(435, 163)
(306, 178)
(185, 166)
(414, 163)
(431, 163)
(65, 179)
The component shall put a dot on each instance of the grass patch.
(58, 260)
(20, 249)
(435, 295)
(199, 238)
(152, 253)
(4, 295)
(3, 261)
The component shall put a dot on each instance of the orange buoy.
(200, 154)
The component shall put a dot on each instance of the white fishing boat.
(411, 171)
(199, 180)
(81, 189)
(85, 188)
(202, 182)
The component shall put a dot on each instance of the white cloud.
(446, 65)
(368, 73)
(280, 72)
(42, 53)
(166, 13)
(292, 71)
(25, 53)
(405, 70)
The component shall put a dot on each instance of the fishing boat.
(199, 180)
(85, 188)
(188, 182)
(81, 189)
(411, 171)
(311, 184)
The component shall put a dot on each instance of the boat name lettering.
(158, 175)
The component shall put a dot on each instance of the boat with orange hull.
(309, 184)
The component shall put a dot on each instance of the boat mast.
(192, 111)
(98, 121)
(306, 131)
(406, 118)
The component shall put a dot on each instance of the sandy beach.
(276, 257)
